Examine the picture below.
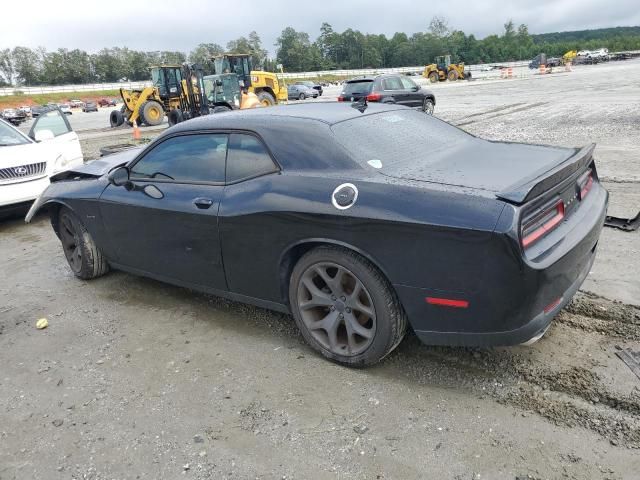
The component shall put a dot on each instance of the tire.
(83, 256)
(175, 116)
(220, 109)
(116, 118)
(266, 99)
(375, 311)
(151, 113)
(434, 77)
(428, 106)
(452, 75)
(302, 96)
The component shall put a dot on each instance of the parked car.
(369, 217)
(76, 103)
(392, 88)
(107, 102)
(26, 109)
(36, 110)
(301, 92)
(313, 86)
(90, 106)
(66, 109)
(27, 161)
(13, 116)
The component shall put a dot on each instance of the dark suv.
(390, 88)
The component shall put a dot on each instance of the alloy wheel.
(336, 308)
(70, 243)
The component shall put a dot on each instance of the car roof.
(252, 119)
(371, 78)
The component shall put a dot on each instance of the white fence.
(87, 87)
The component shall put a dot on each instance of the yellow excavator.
(175, 92)
(443, 69)
(570, 56)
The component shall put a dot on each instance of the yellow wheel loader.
(176, 92)
(265, 85)
(443, 70)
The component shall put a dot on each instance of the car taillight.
(374, 97)
(585, 182)
(541, 222)
(341, 98)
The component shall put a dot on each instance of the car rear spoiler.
(543, 180)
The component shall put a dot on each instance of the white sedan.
(27, 161)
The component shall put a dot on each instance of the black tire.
(83, 256)
(116, 118)
(434, 77)
(220, 109)
(302, 96)
(428, 106)
(387, 322)
(452, 75)
(151, 113)
(175, 116)
(266, 99)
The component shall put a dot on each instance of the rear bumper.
(535, 327)
(514, 299)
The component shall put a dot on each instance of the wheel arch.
(295, 251)
(53, 209)
(267, 89)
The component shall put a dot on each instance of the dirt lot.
(137, 379)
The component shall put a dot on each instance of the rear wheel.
(175, 117)
(116, 118)
(428, 106)
(84, 257)
(434, 77)
(452, 76)
(266, 99)
(344, 307)
(302, 96)
(151, 113)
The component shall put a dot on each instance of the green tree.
(27, 64)
(203, 54)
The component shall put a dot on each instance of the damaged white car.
(27, 161)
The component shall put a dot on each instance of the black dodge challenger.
(355, 220)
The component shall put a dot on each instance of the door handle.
(203, 203)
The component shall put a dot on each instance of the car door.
(52, 128)
(413, 94)
(164, 223)
(392, 87)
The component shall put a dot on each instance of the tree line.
(296, 52)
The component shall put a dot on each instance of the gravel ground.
(137, 379)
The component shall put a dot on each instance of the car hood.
(104, 165)
(482, 164)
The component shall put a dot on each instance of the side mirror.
(43, 135)
(119, 177)
(416, 88)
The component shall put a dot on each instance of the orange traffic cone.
(136, 131)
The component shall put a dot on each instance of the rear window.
(357, 88)
(396, 141)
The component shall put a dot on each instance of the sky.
(154, 25)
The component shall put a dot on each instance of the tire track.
(502, 113)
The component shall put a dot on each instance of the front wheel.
(344, 307)
(83, 255)
(266, 99)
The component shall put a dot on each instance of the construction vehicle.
(175, 92)
(443, 69)
(234, 74)
(569, 57)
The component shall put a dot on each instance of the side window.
(392, 83)
(189, 158)
(248, 157)
(407, 83)
(54, 121)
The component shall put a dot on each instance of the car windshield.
(362, 87)
(9, 136)
(397, 142)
